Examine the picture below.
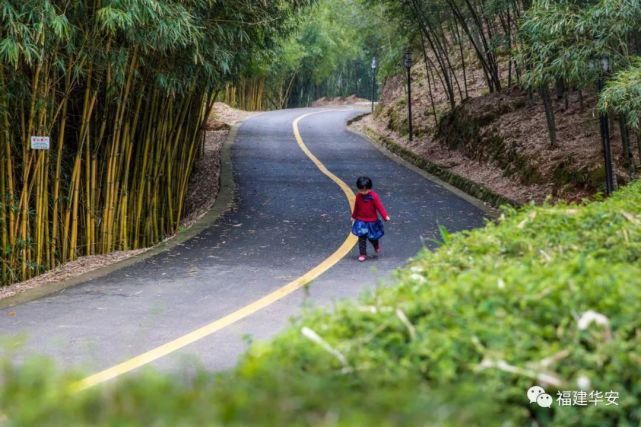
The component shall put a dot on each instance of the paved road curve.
(288, 218)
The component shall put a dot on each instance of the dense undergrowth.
(548, 295)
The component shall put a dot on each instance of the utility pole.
(408, 68)
(373, 82)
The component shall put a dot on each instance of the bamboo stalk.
(6, 195)
(56, 211)
(74, 220)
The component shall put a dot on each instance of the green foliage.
(329, 53)
(500, 307)
(622, 95)
(565, 42)
(114, 83)
(559, 39)
(328, 37)
(458, 340)
(39, 395)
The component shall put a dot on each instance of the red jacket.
(367, 205)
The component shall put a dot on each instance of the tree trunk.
(627, 151)
(549, 113)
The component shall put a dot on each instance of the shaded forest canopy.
(550, 48)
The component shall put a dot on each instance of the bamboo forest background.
(550, 48)
(546, 47)
(123, 88)
(328, 54)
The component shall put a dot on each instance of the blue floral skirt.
(372, 230)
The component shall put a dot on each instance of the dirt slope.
(500, 140)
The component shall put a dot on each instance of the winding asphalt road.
(288, 218)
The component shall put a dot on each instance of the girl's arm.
(380, 208)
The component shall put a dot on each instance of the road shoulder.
(224, 202)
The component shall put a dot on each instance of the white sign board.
(39, 142)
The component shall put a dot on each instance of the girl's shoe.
(362, 258)
(378, 248)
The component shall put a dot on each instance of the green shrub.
(512, 293)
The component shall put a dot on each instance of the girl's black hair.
(364, 183)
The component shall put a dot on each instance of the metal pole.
(373, 83)
(374, 65)
(409, 102)
(408, 67)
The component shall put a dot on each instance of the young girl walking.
(367, 225)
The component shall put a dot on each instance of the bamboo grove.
(445, 31)
(327, 54)
(122, 88)
(546, 47)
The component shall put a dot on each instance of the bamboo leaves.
(121, 87)
(558, 39)
(113, 19)
(622, 95)
(565, 42)
(9, 52)
(60, 27)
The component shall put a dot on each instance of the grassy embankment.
(466, 330)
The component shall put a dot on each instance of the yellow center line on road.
(198, 334)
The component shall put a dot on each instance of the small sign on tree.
(39, 142)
